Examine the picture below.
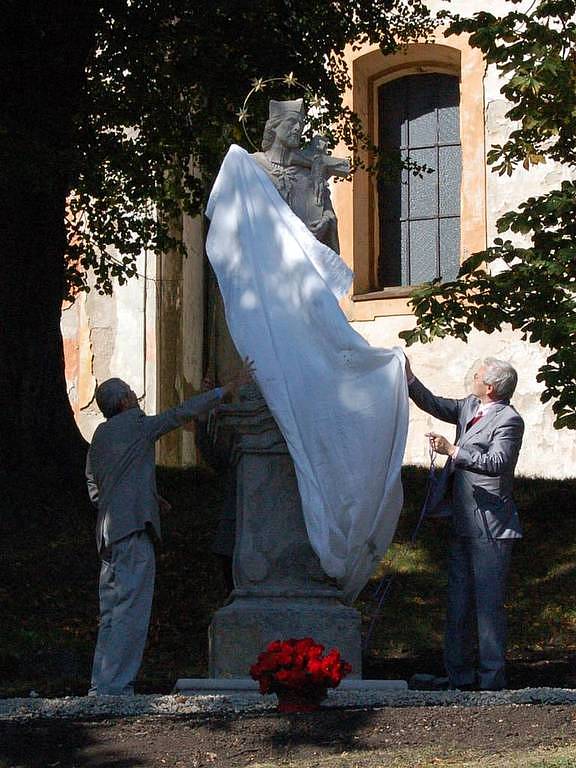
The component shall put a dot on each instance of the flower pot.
(291, 700)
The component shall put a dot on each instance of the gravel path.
(92, 708)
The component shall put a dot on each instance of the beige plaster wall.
(151, 331)
(109, 336)
(446, 365)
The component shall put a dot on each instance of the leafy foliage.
(536, 54)
(165, 82)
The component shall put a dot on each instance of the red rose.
(304, 645)
(299, 664)
(285, 658)
(268, 663)
(316, 671)
(315, 651)
(291, 678)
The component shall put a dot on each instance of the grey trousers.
(477, 576)
(126, 590)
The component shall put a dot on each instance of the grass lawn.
(49, 572)
(436, 758)
(564, 757)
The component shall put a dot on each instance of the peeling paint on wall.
(108, 336)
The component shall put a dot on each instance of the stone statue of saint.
(301, 174)
(280, 589)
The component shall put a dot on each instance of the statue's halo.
(260, 84)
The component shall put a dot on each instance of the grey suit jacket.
(478, 483)
(121, 468)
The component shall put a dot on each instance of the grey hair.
(502, 376)
(109, 396)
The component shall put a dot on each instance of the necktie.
(473, 421)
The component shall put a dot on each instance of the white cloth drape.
(341, 405)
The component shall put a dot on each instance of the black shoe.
(444, 684)
(421, 682)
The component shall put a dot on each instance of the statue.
(280, 587)
(319, 497)
(301, 175)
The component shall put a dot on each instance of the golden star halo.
(259, 84)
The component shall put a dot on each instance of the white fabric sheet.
(342, 405)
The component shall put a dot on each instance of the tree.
(43, 53)
(536, 53)
(105, 105)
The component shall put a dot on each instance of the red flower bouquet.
(298, 673)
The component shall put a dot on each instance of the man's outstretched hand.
(243, 376)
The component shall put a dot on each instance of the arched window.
(419, 218)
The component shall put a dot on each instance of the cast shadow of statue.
(64, 742)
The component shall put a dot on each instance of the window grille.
(419, 218)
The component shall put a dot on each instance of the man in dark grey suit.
(477, 486)
(121, 476)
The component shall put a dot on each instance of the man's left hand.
(164, 505)
(243, 376)
(440, 444)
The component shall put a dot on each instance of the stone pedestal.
(242, 629)
(248, 688)
(281, 590)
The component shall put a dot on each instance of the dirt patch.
(506, 735)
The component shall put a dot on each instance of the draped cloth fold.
(341, 404)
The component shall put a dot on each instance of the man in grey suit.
(477, 489)
(121, 476)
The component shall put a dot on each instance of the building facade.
(437, 104)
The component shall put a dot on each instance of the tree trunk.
(44, 47)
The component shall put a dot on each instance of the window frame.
(356, 201)
(437, 145)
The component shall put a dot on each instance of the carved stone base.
(241, 630)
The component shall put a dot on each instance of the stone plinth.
(281, 590)
(198, 686)
(242, 629)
